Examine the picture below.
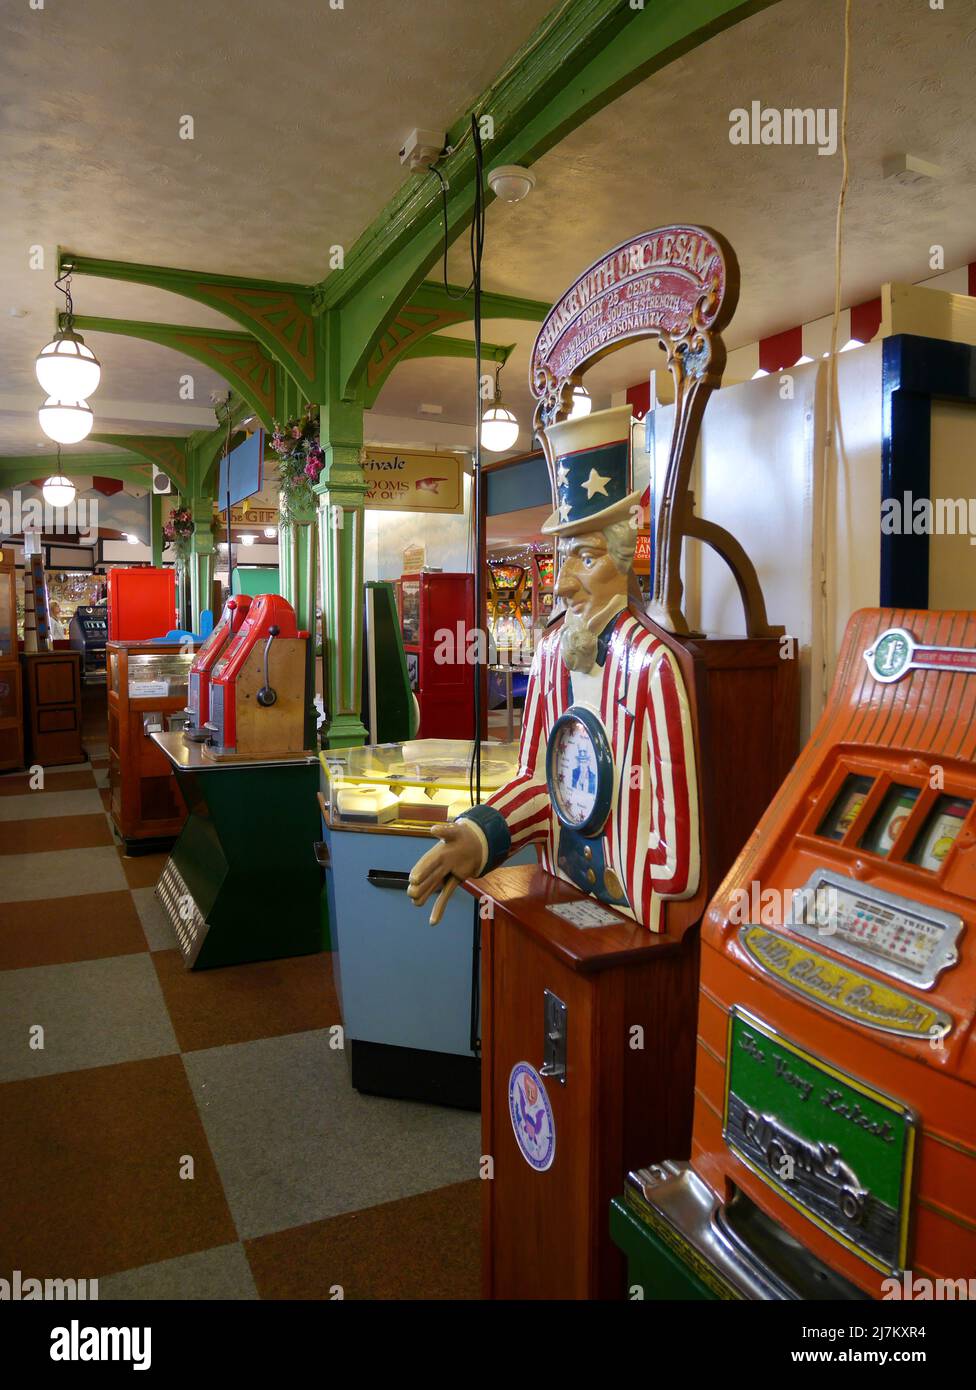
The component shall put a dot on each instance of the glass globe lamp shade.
(59, 491)
(499, 429)
(66, 422)
(582, 403)
(67, 368)
(247, 540)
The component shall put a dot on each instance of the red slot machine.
(437, 620)
(834, 1144)
(198, 701)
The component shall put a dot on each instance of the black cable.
(477, 253)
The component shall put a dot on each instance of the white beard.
(577, 643)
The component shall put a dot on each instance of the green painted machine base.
(242, 883)
(653, 1270)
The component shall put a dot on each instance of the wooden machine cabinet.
(52, 698)
(11, 709)
(148, 682)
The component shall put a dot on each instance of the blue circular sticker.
(528, 1105)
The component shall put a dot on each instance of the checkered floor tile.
(182, 1135)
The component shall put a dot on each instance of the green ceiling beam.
(582, 57)
(238, 357)
(14, 471)
(437, 346)
(277, 313)
(432, 295)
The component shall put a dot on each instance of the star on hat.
(562, 473)
(564, 510)
(595, 483)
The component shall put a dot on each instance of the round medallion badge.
(531, 1114)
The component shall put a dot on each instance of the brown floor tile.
(91, 1164)
(210, 1008)
(60, 832)
(106, 794)
(19, 782)
(53, 931)
(142, 870)
(417, 1248)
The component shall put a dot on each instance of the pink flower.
(296, 432)
(313, 469)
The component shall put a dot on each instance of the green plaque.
(832, 1146)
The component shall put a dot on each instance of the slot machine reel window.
(846, 806)
(890, 819)
(939, 833)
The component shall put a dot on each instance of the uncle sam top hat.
(590, 472)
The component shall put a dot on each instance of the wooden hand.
(456, 858)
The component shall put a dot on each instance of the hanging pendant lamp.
(66, 367)
(499, 427)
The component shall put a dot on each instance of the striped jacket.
(650, 840)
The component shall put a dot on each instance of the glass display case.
(148, 688)
(409, 785)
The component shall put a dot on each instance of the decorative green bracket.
(165, 451)
(278, 314)
(238, 357)
(435, 346)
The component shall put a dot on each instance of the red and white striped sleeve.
(671, 848)
(520, 812)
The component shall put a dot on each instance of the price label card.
(585, 914)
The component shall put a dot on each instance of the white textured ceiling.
(299, 112)
(661, 153)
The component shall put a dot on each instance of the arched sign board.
(679, 284)
(660, 284)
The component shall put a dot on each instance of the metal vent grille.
(187, 920)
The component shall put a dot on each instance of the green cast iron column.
(201, 559)
(341, 516)
(298, 565)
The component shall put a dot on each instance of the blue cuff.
(495, 830)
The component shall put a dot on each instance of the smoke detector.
(511, 182)
(909, 171)
(421, 149)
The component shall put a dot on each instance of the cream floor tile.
(60, 874)
(93, 1013)
(47, 804)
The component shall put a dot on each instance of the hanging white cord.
(833, 404)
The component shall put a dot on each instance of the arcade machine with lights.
(250, 790)
(834, 1145)
(648, 754)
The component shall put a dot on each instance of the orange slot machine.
(834, 1145)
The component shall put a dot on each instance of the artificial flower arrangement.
(178, 532)
(300, 461)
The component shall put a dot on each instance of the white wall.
(447, 538)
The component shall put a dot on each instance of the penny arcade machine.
(834, 1145)
(590, 958)
(198, 700)
(252, 782)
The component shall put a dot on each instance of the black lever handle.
(266, 695)
(388, 878)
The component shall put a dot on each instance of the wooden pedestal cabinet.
(52, 702)
(11, 710)
(626, 1093)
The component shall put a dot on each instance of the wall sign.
(410, 481)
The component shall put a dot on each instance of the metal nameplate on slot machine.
(908, 940)
(832, 1146)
